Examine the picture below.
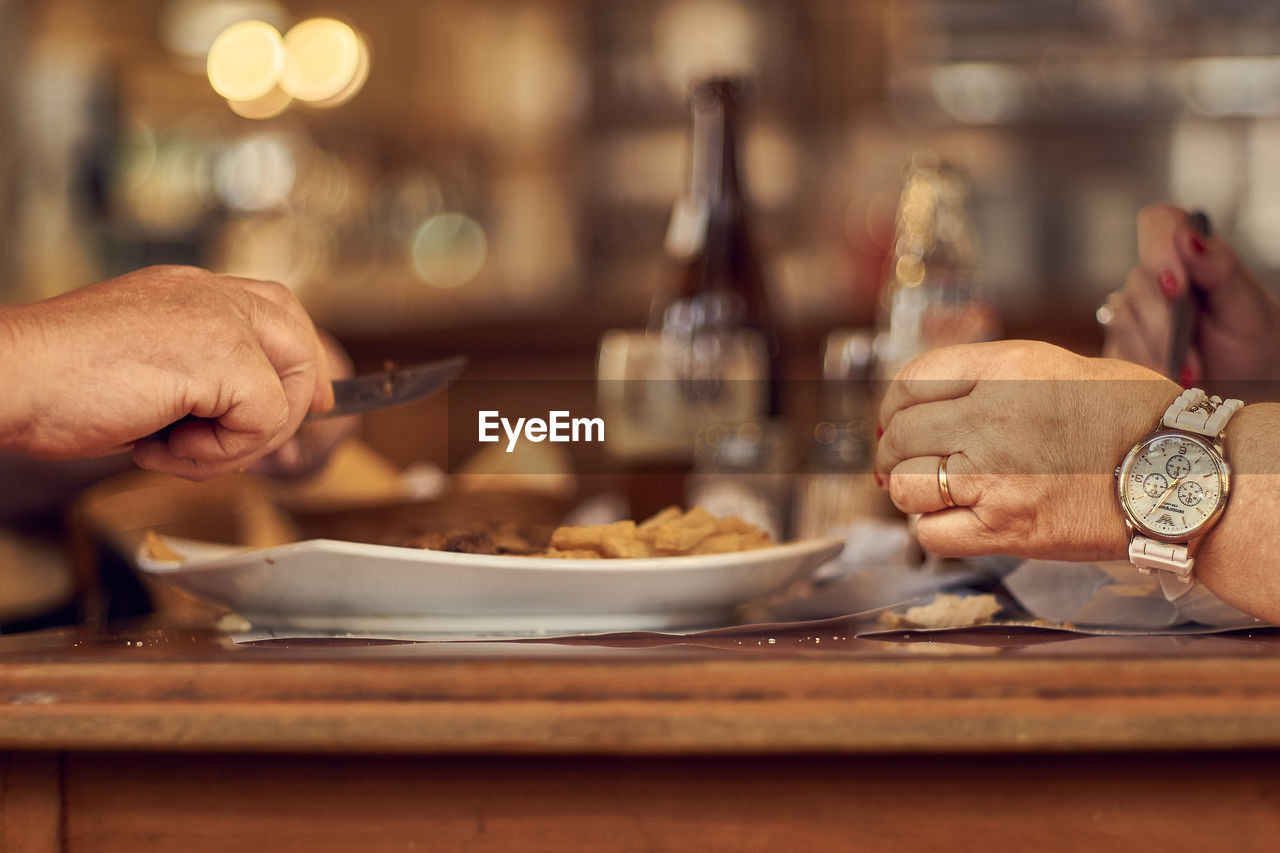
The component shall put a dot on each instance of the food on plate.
(500, 537)
(672, 532)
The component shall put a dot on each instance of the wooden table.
(168, 738)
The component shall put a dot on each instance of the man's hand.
(308, 450)
(98, 370)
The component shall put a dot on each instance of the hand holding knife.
(390, 387)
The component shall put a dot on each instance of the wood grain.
(30, 802)
(173, 740)
(638, 704)
(122, 802)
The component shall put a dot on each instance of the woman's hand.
(100, 369)
(1237, 318)
(1031, 433)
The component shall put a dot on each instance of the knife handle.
(1183, 310)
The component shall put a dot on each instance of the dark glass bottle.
(718, 285)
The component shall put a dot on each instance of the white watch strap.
(1148, 554)
(1195, 411)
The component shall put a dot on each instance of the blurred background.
(497, 177)
(488, 163)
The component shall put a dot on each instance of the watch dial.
(1172, 486)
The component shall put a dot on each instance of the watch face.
(1173, 485)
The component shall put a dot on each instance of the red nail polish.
(879, 431)
(879, 480)
(1167, 284)
(1187, 377)
(1197, 245)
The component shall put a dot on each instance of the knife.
(390, 387)
(1184, 310)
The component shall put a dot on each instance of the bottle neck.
(713, 173)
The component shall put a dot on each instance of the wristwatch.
(1174, 484)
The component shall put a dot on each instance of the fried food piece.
(659, 518)
(734, 524)
(727, 543)
(682, 535)
(592, 538)
(669, 533)
(505, 537)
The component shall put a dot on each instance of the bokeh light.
(448, 250)
(257, 172)
(284, 247)
(165, 186)
(246, 60)
(326, 61)
(1230, 85)
(269, 105)
(978, 92)
(357, 80)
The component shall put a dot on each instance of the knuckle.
(940, 363)
(278, 293)
(275, 422)
(1023, 350)
(899, 489)
(937, 541)
(177, 271)
(1156, 212)
(891, 442)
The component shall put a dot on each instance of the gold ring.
(942, 482)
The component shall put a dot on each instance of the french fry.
(683, 534)
(668, 533)
(571, 555)
(660, 517)
(589, 538)
(727, 543)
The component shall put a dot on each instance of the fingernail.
(879, 479)
(879, 431)
(1197, 245)
(1187, 377)
(1167, 284)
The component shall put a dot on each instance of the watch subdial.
(1154, 484)
(1178, 466)
(1190, 494)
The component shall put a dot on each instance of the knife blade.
(358, 394)
(390, 387)
(1184, 310)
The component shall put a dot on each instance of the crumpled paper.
(1116, 595)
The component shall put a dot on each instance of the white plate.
(326, 585)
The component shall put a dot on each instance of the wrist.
(1246, 440)
(16, 409)
(1234, 560)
